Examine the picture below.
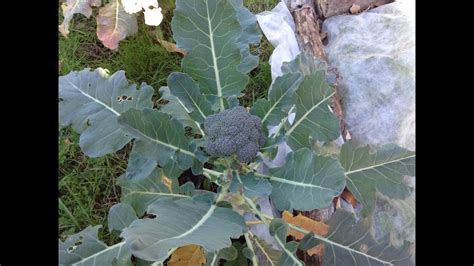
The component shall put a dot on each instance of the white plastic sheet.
(279, 28)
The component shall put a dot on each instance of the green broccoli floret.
(234, 131)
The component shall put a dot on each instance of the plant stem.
(262, 217)
(214, 258)
(280, 126)
(208, 172)
(266, 219)
(253, 222)
(220, 197)
(250, 246)
(216, 173)
(223, 192)
(212, 172)
(200, 130)
(261, 175)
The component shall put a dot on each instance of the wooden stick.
(329, 8)
(307, 27)
(308, 33)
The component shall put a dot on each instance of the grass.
(260, 77)
(87, 185)
(140, 55)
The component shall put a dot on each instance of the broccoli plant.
(234, 131)
(201, 127)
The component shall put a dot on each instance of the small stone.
(354, 9)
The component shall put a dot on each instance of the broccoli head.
(234, 131)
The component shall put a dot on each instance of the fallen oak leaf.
(308, 224)
(189, 255)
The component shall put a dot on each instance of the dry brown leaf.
(168, 182)
(337, 202)
(318, 228)
(190, 255)
(306, 223)
(317, 250)
(347, 196)
(171, 47)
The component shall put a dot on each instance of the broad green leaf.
(71, 7)
(176, 108)
(305, 64)
(229, 254)
(249, 61)
(208, 197)
(266, 255)
(280, 99)
(369, 170)
(252, 186)
(91, 101)
(162, 137)
(248, 21)
(114, 24)
(212, 259)
(84, 248)
(209, 31)
(250, 34)
(240, 260)
(249, 251)
(231, 102)
(187, 91)
(120, 216)
(314, 121)
(279, 230)
(187, 188)
(141, 193)
(141, 262)
(182, 222)
(172, 170)
(351, 243)
(306, 182)
(139, 166)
